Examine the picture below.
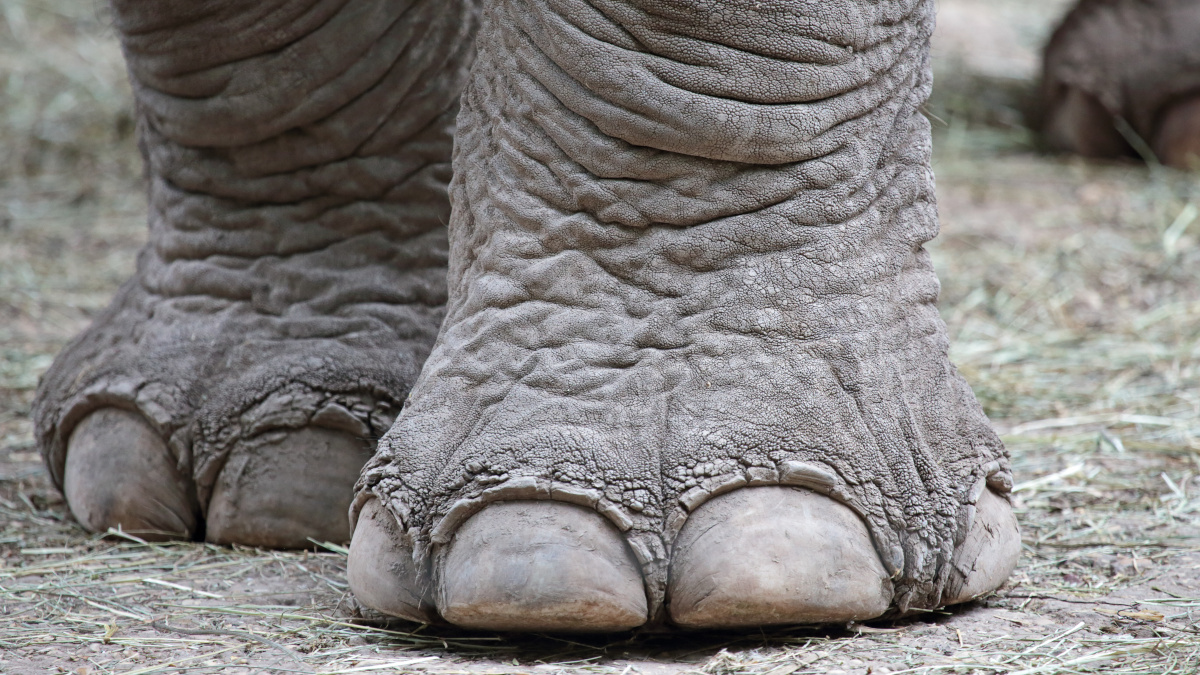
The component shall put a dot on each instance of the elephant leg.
(689, 293)
(297, 158)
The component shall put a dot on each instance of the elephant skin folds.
(686, 259)
(297, 161)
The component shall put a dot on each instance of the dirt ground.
(1072, 294)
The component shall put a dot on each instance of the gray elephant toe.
(775, 555)
(988, 554)
(119, 474)
(381, 570)
(286, 489)
(540, 566)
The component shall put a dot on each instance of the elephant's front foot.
(690, 303)
(294, 276)
(199, 417)
(265, 452)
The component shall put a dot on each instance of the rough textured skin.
(297, 156)
(1137, 60)
(687, 256)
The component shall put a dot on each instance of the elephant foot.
(664, 311)
(253, 432)
(293, 281)
(757, 556)
(246, 434)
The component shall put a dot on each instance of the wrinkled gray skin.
(685, 256)
(297, 156)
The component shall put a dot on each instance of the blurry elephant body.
(1122, 78)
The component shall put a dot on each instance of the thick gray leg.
(297, 156)
(687, 258)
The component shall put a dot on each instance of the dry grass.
(1071, 290)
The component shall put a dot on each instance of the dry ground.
(1071, 291)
